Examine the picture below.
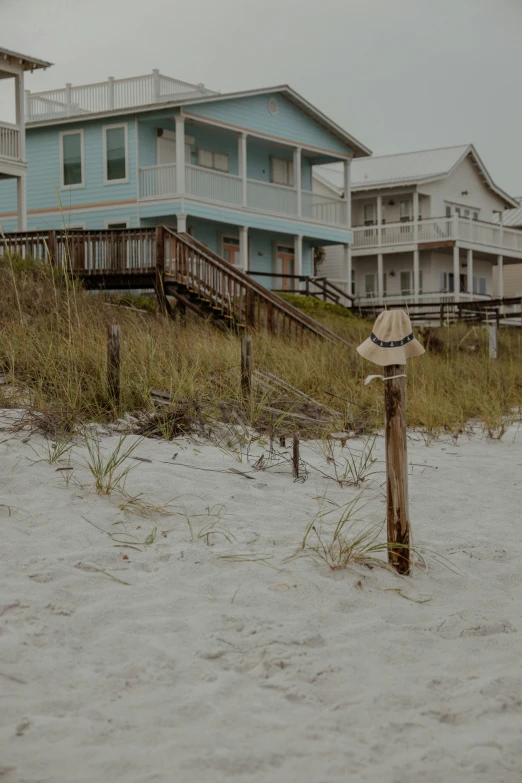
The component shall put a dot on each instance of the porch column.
(415, 217)
(21, 192)
(243, 248)
(470, 272)
(180, 154)
(380, 276)
(456, 272)
(298, 260)
(500, 277)
(347, 272)
(20, 114)
(181, 223)
(297, 179)
(416, 275)
(379, 219)
(242, 157)
(348, 192)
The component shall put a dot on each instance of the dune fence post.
(493, 340)
(113, 364)
(397, 513)
(246, 366)
(295, 454)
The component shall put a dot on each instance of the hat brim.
(386, 356)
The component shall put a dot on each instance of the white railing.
(107, 96)
(9, 141)
(212, 185)
(323, 209)
(158, 181)
(432, 296)
(473, 232)
(275, 199)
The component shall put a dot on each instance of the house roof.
(27, 63)
(290, 94)
(410, 168)
(513, 217)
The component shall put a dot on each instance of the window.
(479, 285)
(121, 224)
(213, 160)
(282, 172)
(353, 282)
(115, 153)
(166, 147)
(71, 152)
(475, 216)
(406, 209)
(369, 214)
(448, 212)
(231, 251)
(369, 285)
(407, 282)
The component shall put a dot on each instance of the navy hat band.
(393, 344)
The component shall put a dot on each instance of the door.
(231, 250)
(284, 266)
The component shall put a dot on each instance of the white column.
(182, 223)
(156, 84)
(242, 157)
(110, 92)
(379, 219)
(380, 276)
(20, 113)
(243, 248)
(180, 154)
(21, 192)
(500, 277)
(470, 272)
(456, 272)
(347, 271)
(298, 260)
(415, 216)
(416, 275)
(348, 191)
(297, 179)
(68, 99)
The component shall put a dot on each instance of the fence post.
(250, 307)
(160, 270)
(397, 513)
(493, 340)
(442, 313)
(246, 366)
(295, 454)
(51, 248)
(113, 364)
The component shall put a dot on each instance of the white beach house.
(426, 225)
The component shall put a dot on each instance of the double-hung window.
(115, 163)
(213, 160)
(71, 159)
(282, 172)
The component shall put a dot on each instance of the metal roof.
(409, 168)
(513, 217)
(28, 63)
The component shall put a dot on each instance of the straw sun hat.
(391, 340)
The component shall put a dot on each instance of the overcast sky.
(398, 74)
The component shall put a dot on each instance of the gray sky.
(399, 75)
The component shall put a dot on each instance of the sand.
(203, 669)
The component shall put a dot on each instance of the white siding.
(512, 280)
(333, 262)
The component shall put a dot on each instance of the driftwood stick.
(397, 513)
(113, 363)
(295, 454)
(246, 365)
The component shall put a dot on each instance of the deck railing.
(157, 181)
(476, 232)
(9, 141)
(107, 96)
(212, 185)
(324, 209)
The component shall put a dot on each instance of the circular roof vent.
(273, 107)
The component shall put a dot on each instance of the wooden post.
(51, 247)
(246, 365)
(250, 307)
(397, 513)
(113, 364)
(442, 313)
(160, 270)
(295, 454)
(493, 340)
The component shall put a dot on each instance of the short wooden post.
(246, 365)
(397, 512)
(160, 270)
(250, 307)
(493, 340)
(51, 247)
(113, 364)
(295, 454)
(442, 313)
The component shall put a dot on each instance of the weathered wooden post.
(113, 364)
(389, 345)
(442, 313)
(246, 366)
(493, 340)
(51, 248)
(160, 270)
(295, 454)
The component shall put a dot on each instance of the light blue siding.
(290, 123)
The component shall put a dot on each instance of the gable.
(289, 123)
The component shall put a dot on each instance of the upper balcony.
(10, 142)
(491, 238)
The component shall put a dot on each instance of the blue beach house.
(233, 170)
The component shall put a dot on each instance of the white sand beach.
(196, 668)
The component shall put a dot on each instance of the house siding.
(451, 189)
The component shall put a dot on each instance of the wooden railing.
(307, 285)
(231, 292)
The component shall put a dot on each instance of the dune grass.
(53, 344)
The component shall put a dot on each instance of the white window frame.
(81, 184)
(76, 227)
(374, 292)
(213, 153)
(108, 223)
(289, 165)
(412, 282)
(105, 128)
(405, 211)
(373, 220)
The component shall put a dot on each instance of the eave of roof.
(27, 63)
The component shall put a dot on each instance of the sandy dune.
(203, 669)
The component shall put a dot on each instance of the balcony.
(491, 237)
(9, 142)
(158, 182)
